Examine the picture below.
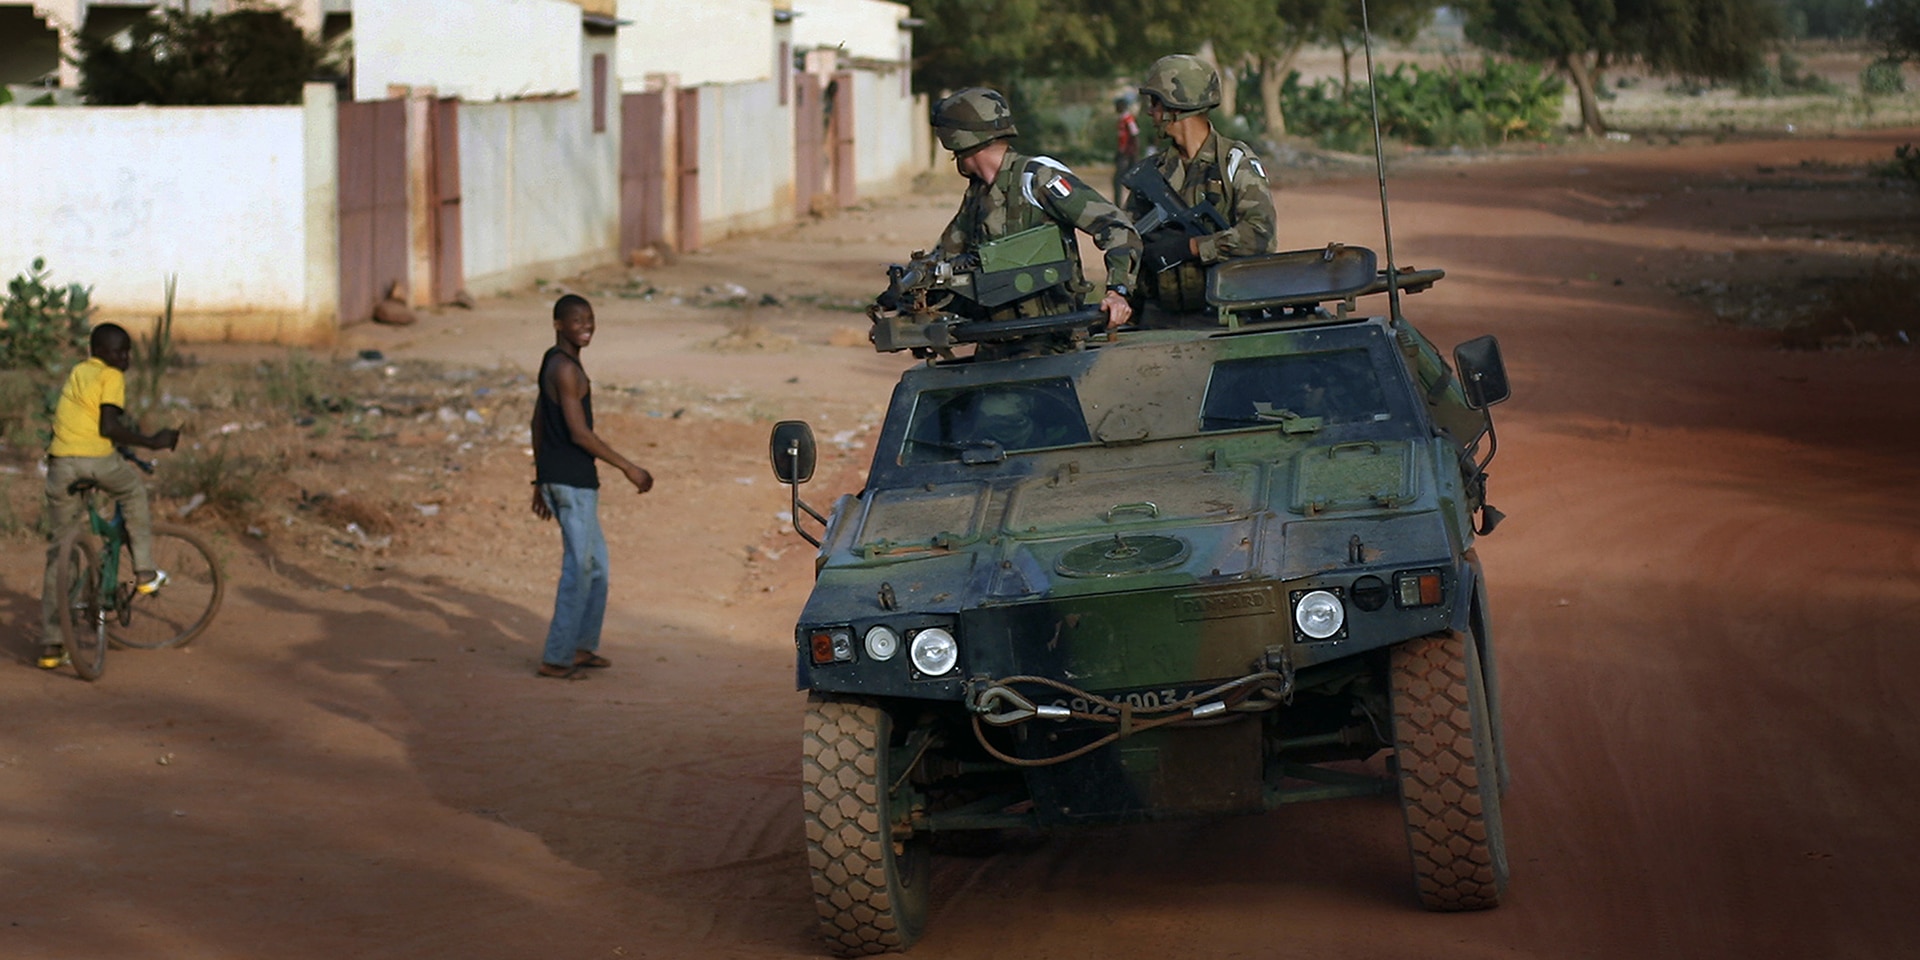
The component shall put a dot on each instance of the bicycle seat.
(82, 485)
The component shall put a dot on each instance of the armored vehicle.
(1163, 574)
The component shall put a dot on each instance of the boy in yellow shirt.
(89, 421)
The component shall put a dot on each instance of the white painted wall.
(746, 159)
(471, 49)
(869, 29)
(539, 190)
(703, 41)
(885, 125)
(120, 197)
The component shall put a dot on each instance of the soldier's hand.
(1119, 311)
(1167, 248)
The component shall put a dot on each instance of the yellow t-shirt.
(76, 419)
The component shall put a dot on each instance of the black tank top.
(558, 459)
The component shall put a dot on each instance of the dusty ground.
(1704, 601)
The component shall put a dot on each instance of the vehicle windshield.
(985, 423)
(1295, 391)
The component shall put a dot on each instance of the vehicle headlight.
(934, 651)
(1319, 615)
(882, 643)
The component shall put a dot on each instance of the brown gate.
(373, 204)
(686, 114)
(808, 133)
(643, 180)
(843, 125)
(443, 179)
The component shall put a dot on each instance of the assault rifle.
(1169, 211)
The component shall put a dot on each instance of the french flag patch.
(1059, 186)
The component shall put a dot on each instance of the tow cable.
(997, 703)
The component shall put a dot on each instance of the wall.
(540, 191)
(862, 29)
(710, 41)
(886, 125)
(236, 201)
(471, 49)
(746, 159)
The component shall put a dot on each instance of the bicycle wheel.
(81, 630)
(181, 609)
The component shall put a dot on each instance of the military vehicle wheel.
(1449, 781)
(870, 889)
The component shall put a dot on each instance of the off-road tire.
(77, 583)
(870, 889)
(1448, 773)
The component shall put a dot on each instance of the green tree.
(1825, 19)
(1709, 39)
(182, 59)
(1895, 24)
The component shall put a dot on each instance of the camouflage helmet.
(971, 119)
(1184, 84)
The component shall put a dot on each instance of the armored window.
(984, 423)
(1335, 387)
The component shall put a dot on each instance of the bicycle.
(102, 604)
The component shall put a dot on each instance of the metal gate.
(686, 115)
(373, 204)
(443, 180)
(643, 173)
(808, 121)
(843, 125)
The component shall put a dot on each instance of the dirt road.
(1704, 597)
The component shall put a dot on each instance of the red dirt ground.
(1704, 603)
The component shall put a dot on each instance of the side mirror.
(792, 451)
(1483, 375)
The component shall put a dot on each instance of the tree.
(1709, 39)
(182, 59)
(1896, 25)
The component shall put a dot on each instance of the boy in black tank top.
(566, 488)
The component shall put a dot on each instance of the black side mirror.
(1483, 375)
(793, 452)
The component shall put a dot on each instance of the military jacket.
(1228, 173)
(1030, 191)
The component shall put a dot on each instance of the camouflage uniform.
(1225, 172)
(1028, 192)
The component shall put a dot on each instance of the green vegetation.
(230, 481)
(1882, 78)
(1905, 164)
(183, 59)
(1432, 108)
(153, 354)
(1895, 24)
(42, 325)
(1783, 78)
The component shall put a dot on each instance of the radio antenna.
(1380, 168)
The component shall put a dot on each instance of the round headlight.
(934, 651)
(882, 643)
(1319, 615)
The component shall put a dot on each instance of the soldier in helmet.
(1009, 192)
(1203, 165)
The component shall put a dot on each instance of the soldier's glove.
(1166, 250)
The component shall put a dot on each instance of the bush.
(183, 59)
(1905, 164)
(1430, 108)
(1784, 78)
(1882, 78)
(230, 481)
(43, 326)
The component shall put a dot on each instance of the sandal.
(555, 672)
(590, 660)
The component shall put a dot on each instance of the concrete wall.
(539, 190)
(708, 41)
(239, 202)
(746, 159)
(471, 49)
(886, 121)
(863, 29)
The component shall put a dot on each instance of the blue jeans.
(580, 603)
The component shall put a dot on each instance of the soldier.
(1180, 89)
(1009, 192)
